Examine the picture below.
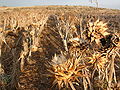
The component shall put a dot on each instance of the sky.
(114, 4)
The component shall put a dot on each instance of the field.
(59, 48)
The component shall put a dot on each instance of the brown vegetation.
(59, 47)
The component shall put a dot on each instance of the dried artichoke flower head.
(66, 71)
(97, 30)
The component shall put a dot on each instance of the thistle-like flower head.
(97, 30)
(66, 73)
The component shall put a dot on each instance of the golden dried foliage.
(71, 68)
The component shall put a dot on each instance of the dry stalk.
(111, 73)
(64, 37)
(23, 55)
(35, 32)
(66, 29)
(85, 84)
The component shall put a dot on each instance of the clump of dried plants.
(84, 60)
